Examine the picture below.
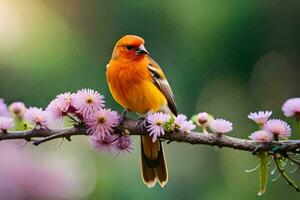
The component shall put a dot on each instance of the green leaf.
(263, 173)
(168, 126)
(195, 120)
(20, 125)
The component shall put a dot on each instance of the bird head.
(130, 47)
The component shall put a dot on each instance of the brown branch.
(135, 128)
(46, 134)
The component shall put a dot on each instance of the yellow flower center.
(158, 123)
(101, 120)
(89, 100)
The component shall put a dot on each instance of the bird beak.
(142, 50)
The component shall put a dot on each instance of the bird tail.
(154, 167)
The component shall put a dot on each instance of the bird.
(139, 85)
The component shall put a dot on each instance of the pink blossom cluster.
(112, 144)
(260, 117)
(218, 126)
(17, 112)
(85, 107)
(275, 129)
(79, 106)
(157, 124)
(270, 129)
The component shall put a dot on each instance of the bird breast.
(132, 86)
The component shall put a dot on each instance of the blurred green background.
(224, 57)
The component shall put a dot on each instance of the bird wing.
(162, 84)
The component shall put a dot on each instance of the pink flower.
(292, 107)
(101, 124)
(179, 120)
(278, 128)
(187, 126)
(3, 109)
(18, 109)
(202, 117)
(260, 117)
(220, 126)
(156, 122)
(261, 136)
(65, 100)
(56, 110)
(107, 145)
(181, 124)
(87, 102)
(37, 117)
(5, 124)
(61, 105)
(124, 144)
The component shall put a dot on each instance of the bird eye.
(129, 47)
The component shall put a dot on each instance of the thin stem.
(59, 144)
(64, 133)
(72, 118)
(23, 144)
(283, 174)
(294, 160)
(46, 139)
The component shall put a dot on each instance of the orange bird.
(138, 84)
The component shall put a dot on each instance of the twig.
(59, 144)
(63, 134)
(23, 144)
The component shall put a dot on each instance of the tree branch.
(134, 128)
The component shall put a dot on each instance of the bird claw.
(122, 117)
(142, 122)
